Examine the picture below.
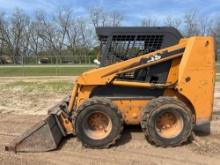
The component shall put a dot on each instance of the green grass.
(217, 68)
(217, 78)
(50, 71)
(42, 71)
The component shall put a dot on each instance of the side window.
(153, 74)
(137, 75)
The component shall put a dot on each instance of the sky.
(133, 10)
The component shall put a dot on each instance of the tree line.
(63, 32)
(55, 34)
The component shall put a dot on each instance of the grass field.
(42, 71)
(10, 71)
(218, 68)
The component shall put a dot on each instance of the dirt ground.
(32, 95)
(132, 149)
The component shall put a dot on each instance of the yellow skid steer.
(167, 92)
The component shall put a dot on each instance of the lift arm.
(105, 75)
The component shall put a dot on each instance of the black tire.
(94, 106)
(153, 112)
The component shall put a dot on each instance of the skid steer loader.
(167, 91)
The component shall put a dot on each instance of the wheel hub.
(98, 125)
(169, 124)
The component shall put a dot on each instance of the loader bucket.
(44, 136)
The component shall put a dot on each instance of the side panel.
(130, 105)
(84, 93)
(129, 100)
(112, 91)
(131, 110)
(196, 78)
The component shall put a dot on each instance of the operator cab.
(122, 43)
